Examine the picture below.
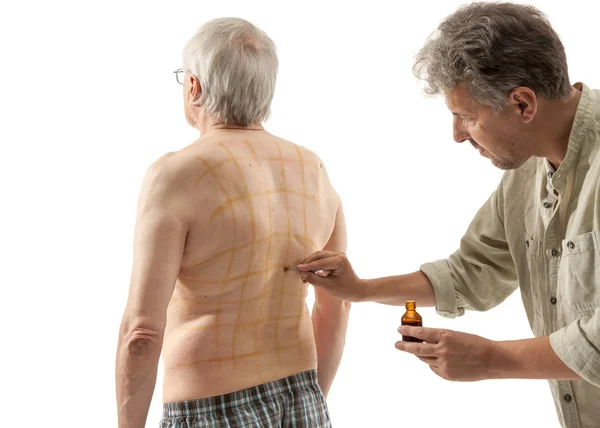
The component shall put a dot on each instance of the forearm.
(396, 290)
(330, 323)
(137, 364)
(527, 359)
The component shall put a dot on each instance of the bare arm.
(160, 235)
(396, 290)
(330, 317)
(569, 353)
(340, 281)
(479, 276)
(528, 359)
(459, 356)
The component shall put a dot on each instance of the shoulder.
(170, 188)
(312, 159)
(595, 113)
(180, 170)
(169, 179)
(310, 156)
(167, 172)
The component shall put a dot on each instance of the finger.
(432, 361)
(418, 349)
(429, 335)
(318, 255)
(316, 279)
(331, 264)
(320, 272)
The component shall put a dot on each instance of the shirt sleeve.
(481, 274)
(578, 346)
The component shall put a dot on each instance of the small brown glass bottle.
(412, 318)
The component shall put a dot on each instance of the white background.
(88, 100)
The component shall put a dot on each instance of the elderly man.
(503, 72)
(218, 223)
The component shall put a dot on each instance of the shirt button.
(567, 398)
(554, 252)
(553, 300)
(527, 243)
(550, 174)
(571, 245)
(547, 205)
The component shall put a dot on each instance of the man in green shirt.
(503, 72)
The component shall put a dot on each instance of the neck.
(209, 125)
(554, 127)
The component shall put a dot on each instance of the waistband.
(222, 403)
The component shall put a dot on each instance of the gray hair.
(236, 64)
(494, 48)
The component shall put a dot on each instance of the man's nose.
(458, 132)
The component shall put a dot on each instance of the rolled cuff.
(573, 347)
(447, 300)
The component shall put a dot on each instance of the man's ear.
(195, 90)
(524, 101)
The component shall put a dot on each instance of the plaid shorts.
(295, 401)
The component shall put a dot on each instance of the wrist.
(365, 293)
(500, 361)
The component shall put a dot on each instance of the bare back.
(237, 318)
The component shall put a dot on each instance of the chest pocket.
(579, 273)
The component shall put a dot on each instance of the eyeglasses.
(179, 76)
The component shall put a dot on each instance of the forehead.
(459, 100)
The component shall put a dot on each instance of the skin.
(527, 126)
(185, 299)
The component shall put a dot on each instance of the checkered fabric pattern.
(295, 401)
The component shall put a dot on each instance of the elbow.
(142, 342)
(139, 340)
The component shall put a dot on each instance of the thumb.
(323, 273)
(316, 279)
